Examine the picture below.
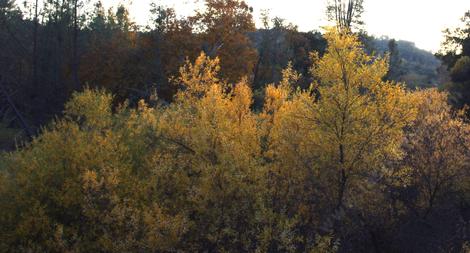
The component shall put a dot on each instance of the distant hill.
(420, 66)
(280, 45)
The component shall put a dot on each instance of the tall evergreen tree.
(395, 70)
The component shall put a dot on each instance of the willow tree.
(328, 146)
(350, 121)
(359, 117)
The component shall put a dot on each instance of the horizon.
(417, 23)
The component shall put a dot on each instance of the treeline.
(64, 46)
(352, 163)
(52, 49)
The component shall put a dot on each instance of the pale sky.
(419, 21)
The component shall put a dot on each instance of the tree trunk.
(343, 178)
(35, 50)
(75, 60)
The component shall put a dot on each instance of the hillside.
(420, 67)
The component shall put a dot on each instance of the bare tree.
(346, 13)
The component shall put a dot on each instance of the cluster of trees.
(352, 163)
(67, 45)
(52, 48)
(206, 134)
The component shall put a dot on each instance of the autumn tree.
(426, 189)
(436, 150)
(218, 130)
(357, 111)
(292, 204)
(335, 137)
(225, 25)
(171, 42)
(326, 143)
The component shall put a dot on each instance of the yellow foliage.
(436, 148)
(198, 78)
(209, 173)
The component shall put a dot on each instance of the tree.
(436, 149)
(225, 25)
(349, 101)
(460, 81)
(455, 52)
(113, 59)
(329, 143)
(75, 47)
(66, 14)
(346, 13)
(395, 69)
(170, 44)
(335, 137)
(35, 45)
(457, 42)
(218, 129)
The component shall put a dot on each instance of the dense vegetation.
(51, 50)
(334, 155)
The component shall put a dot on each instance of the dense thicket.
(352, 163)
(205, 134)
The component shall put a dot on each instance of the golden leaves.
(91, 107)
(198, 78)
(209, 171)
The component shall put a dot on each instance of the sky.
(419, 21)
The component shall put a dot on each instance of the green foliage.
(395, 68)
(461, 70)
(459, 87)
(455, 53)
(457, 42)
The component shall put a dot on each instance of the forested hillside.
(208, 134)
(416, 67)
